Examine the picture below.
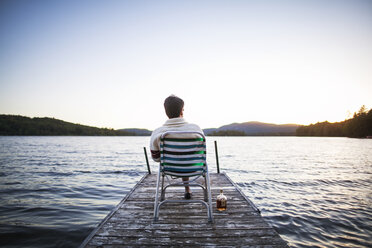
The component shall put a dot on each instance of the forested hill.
(20, 125)
(253, 128)
(360, 126)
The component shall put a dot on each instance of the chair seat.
(182, 154)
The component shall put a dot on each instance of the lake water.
(316, 192)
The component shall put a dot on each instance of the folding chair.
(182, 154)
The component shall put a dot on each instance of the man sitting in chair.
(174, 109)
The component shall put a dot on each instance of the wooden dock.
(131, 224)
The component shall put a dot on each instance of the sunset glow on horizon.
(112, 63)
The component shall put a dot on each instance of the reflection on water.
(54, 190)
(316, 192)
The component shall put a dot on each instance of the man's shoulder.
(183, 127)
(193, 126)
(158, 131)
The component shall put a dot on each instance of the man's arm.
(154, 146)
(155, 155)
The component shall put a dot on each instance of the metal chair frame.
(162, 175)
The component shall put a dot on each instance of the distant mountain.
(21, 125)
(136, 131)
(253, 128)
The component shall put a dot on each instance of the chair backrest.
(183, 154)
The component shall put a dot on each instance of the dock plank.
(131, 224)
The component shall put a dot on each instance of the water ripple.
(316, 192)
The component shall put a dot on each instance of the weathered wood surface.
(131, 224)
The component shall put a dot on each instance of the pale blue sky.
(112, 63)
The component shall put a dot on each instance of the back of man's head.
(173, 106)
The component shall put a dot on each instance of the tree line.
(21, 125)
(242, 133)
(227, 133)
(360, 126)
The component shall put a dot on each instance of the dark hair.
(173, 106)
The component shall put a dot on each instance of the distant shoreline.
(16, 125)
(360, 126)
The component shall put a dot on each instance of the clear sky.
(112, 63)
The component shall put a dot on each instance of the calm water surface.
(316, 192)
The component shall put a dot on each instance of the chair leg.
(162, 195)
(207, 196)
(156, 204)
(205, 189)
(210, 214)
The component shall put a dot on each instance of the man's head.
(173, 106)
